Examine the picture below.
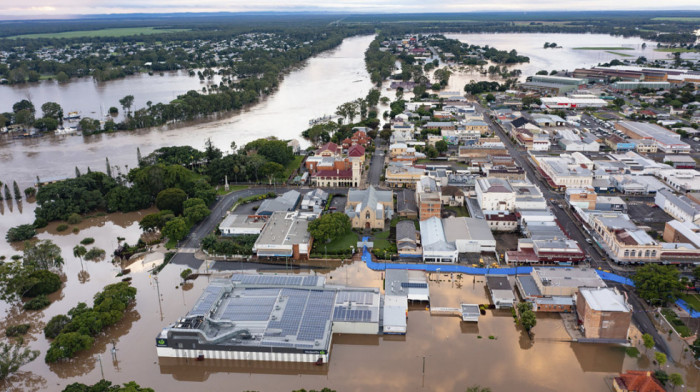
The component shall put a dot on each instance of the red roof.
(638, 381)
(330, 146)
(356, 151)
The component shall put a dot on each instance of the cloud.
(48, 8)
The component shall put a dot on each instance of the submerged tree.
(13, 356)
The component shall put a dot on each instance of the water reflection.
(24, 382)
(599, 357)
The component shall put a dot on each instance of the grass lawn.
(678, 18)
(381, 240)
(460, 211)
(602, 48)
(342, 243)
(292, 165)
(117, 32)
(231, 188)
(619, 54)
(693, 301)
(676, 322)
(675, 50)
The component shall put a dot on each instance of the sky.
(49, 8)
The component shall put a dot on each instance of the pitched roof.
(356, 151)
(330, 146)
(639, 381)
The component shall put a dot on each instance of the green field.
(603, 48)
(675, 50)
(678, 19)
(619, 54)
(117, 32)
(381, 240)
(339, 244)
(693, 300)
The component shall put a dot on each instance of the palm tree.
(79, 251)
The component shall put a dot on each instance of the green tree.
(126, 103)
(675, 379)
(648, 341)
(46, 124)
(176, 229)
(24, 104)
(330, 226)
(195, 210)
(171, 199)
(441, 146)
(156, 220)
(696, 348)
(20, 233)
(478, 388)
(490, 97)
(52, 110)
(13, 356)
(661, 376)
(18, 194)
(657, 284)
(55, 325)
(24, 117)
(660, 358)
(30, 192)
(79, 251)
(43, 255)
(431, 152)
(185, 274)
(89, 125)
(106, 386)
(66, 345)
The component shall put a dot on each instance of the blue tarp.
(367, 258)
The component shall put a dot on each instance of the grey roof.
(605, 299)
(682, 202)
(268, 311)
(528, 285)
(567, 277)
(283, 229)
(369, 197)
(406, 201)
(461, 228)
(405, 230)
(286, 202)
(497, 282)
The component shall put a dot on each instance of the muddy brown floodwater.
(457, 354)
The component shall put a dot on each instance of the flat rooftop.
(605, 299)
(274, 311)
(567, 277)
(284, 229)
(407, 283)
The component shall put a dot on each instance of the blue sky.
(66, 7)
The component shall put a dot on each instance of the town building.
(286, 235)
(666, 141)
(369, 208)
(470, 235)
(679, 207)
(285, 202)
(436, 247)
(428, 198)
(406, 203)
(680, 161)
(584, 198)
(637, 381)
(603, 313)
(622, 239)
(685, 232)
(500, 291)
(314, 200)
(494, 194)
(552, 282)
(565, 171)
(681, 180)
(262, 317)
(398, 175)
(407, 239)
(572, 103)
(502, 221)
(400, 287)
(238, 224)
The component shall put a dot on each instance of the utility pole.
(160, 306)
(99, 358)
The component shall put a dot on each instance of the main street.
(571, 226)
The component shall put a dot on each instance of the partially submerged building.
(603, 313)
(270, 318)
(501, 291)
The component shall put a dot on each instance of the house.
(369, 208)
(406, 204)
(452, 196)
(501, 291)
(314, 200)
(286, 234)
(637, 381)
(329, 149)
(407, 241)
(603, 313)
(286, 202)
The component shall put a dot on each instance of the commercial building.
(603, 313)
(428, 198)
(406, 203)
(369, 208)
(681, 180)
(679, 207)
(622, 239)
(502, 221)
(285, 202)
(314, 200)
(680, 161)
(436, 247)
(399, 175)
(501, 291)
(667, 141)
(286, 234)
(470, 235)
(494, 194)
(565, 171)
(554, 85)
(684, 232)
(551, 282)
(270, 318)
(632, 85)
(237, 224)
(572, 103)
(402, 286)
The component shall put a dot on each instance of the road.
(570, 225)
(376, 165)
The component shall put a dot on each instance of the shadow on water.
(602, 358)
(86, 361)
(24, 382)
(187, 369)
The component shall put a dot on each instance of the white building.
(681, 180)
(679, 207)
(436, 247)
(494, 194)
(237, 224)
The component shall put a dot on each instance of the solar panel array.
(345, 314)
(250, 308)
(359, 297)
(275, 280)
(207, 301)
(316, 315)
(293, 310)
(407, 285)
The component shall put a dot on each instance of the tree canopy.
(657, 284)
(330, 226)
